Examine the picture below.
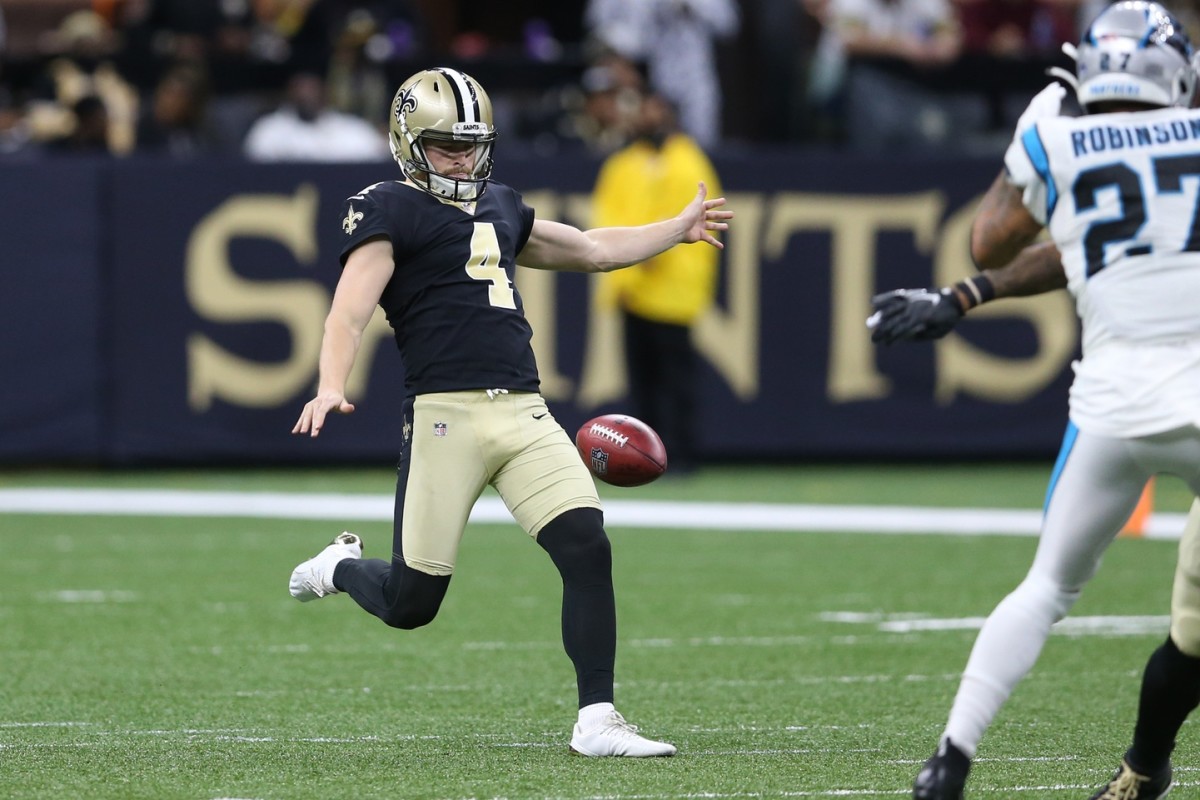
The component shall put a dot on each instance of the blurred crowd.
(312, 79)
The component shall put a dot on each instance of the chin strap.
(1065, 75)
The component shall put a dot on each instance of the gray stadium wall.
(171, 313)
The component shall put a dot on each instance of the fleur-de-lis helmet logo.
(445, 105)
(406, 103)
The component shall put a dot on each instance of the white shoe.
(314, 578)
(613, 736)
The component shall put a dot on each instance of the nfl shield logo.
(439, 429)
(599, 460)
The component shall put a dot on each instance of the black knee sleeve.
(579, 547)
(412, 597)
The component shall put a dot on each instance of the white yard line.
(1071, 626)
(617, 513)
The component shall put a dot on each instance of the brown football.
(621, 450)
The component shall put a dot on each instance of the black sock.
(1170, 692)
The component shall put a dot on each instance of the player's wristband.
(973, 291)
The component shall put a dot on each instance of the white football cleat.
(613, 736)
(313, 579)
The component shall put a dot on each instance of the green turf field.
(161, 657)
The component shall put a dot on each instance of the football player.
(1117, 190)
(1171, 680)
(436, 250)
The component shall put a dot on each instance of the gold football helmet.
(445, 105)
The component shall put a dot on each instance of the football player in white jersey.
(1117, 189)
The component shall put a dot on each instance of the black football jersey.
(458, 319)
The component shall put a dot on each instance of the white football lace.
(313, 585)
(610, 434)
(615, 723)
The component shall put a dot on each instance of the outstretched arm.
(553, 245)
(920, 314)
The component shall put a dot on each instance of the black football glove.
(915, 314)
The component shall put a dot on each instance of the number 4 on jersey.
(484, 265)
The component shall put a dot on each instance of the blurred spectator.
(246, 45)
(27, 21)
(676, 40)
(774, 49)
(660, 299)
(868, 52)
(825, 77)
(1008, 45)
(57, 51)
(369, 37)
(303, 128)
(89, 135)
(296, 33)
(81, 53)
(216, 33)
(1017, 28)
(919, 32)
(612, 90)
(176, 122)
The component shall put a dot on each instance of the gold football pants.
(456, 443)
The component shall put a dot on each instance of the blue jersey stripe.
(1041, 162)
(1068, 443)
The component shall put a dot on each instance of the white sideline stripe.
(617, 513)
(1071, 626)
(1128, 625)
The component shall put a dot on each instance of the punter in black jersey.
(436, 250)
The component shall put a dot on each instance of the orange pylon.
(1136, 526)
